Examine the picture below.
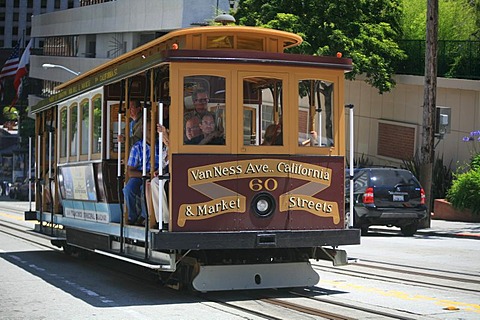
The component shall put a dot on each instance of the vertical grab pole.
(30, 215)
(30, 173)
(119, 160)
(160, 168)
(144, 173)
(50, 136)
(119, 174)
(352, 201)
(38, 184)
(320, 132)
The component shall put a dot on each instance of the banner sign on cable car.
(263, 175)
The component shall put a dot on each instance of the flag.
(10, 67)
(21, 72)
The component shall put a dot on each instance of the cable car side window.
(97, 124)
(85, 123)
(315, 113)
(73, 129)
(204, 113)
(63, 132)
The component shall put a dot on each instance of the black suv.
(386, 196)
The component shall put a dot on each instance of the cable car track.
(305, 304)
(402, 279)
(13, 230)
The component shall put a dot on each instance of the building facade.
(16, 18)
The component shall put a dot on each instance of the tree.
(458, 19)
(363, 30)
(429, 104)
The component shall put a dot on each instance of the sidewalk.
(453, 229)
(444, 228)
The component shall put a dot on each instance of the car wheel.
(364, 230)
(409, 230)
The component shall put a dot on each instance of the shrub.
(360, 162)
(475, 162)
(441, 176)
(465, 191)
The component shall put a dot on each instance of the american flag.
(10, 67)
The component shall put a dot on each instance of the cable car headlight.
(263, 204)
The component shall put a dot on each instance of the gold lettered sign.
(204, 180)
(318, 207)
(206, 210)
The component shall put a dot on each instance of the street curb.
(463, 234)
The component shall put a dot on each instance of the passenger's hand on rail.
(165, 136)
(121, 138)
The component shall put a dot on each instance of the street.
(420, 277)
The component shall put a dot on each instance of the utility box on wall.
(443, 120)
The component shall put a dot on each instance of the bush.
(441, 176)
(465, 190)
(475, 162)
(360, 162)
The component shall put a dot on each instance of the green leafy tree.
(458, 19)
(363, 30)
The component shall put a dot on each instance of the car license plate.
(398, 197)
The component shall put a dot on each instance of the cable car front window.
(315, 113)
(204, 117)
(262, 111)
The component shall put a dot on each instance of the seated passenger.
(209, 133)
(192, 128)
(273, 135)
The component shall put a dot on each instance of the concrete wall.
(404, 107)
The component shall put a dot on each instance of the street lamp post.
(49, 66)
